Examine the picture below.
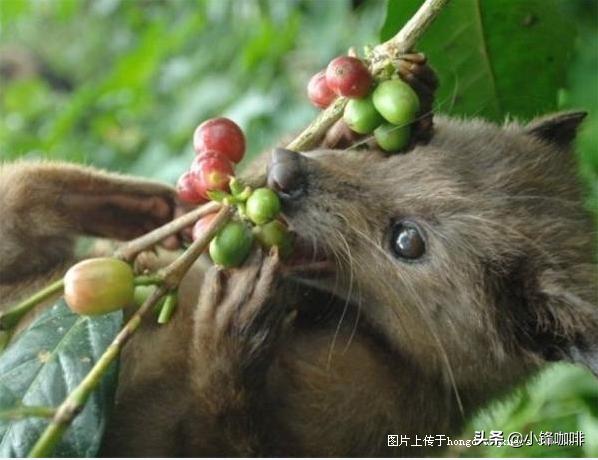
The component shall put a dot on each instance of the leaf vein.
(486, 56)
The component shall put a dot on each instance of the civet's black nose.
(286, 173)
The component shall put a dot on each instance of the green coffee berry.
(231, 246)
(392, 138)
(396, 101)
(98, 286)
(262, 206)
(274, 233)
(361, 115)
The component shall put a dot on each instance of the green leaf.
(494, 58)
(43, 365)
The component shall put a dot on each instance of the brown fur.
(385, 346)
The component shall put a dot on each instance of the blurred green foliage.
(121, 84)
(145, 73)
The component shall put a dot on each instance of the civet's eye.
(407, 241)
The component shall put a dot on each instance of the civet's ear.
(561, 322)
(558, 128)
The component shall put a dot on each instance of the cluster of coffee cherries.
(219, 144)
(102, 285)
(386, 109)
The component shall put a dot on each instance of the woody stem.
(401, 43)
(171, 277)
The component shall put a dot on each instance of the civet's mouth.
(308, 260)
(324, 299)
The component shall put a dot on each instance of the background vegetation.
(121, 84)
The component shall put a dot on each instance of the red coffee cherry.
(201, 225)
(318, 91)
(99, 286)
(220, 135)
(186, 188)
(212, 172)
(349, 77)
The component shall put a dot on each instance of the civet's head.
(472, 253)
